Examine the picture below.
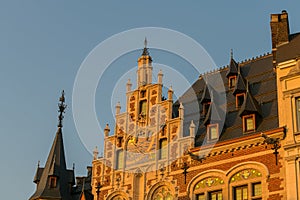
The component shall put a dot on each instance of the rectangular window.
(200, 197)
(213, 132)
(239, 100)
(241, 193)
(143, 108)
(232, 81)
(52, 182)
(120, 159)
(256, 189)
(163, 149)
(249, 123)
(205, 108)
(298, 113)
(217, 195)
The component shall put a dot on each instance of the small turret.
(106, 130)
(118, 108)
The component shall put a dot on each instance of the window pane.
(257, 189)
(213, 132)
(163, 149)
(298, 113)
(217, 195)
(119, 159)
(241, 193)
(200, 197)
(249, 124)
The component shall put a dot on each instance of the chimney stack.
(280, 31)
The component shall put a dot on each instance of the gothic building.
(236, 138)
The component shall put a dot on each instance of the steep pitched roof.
(260, 73)
(241, 84)
(250, 105)
(233, 68)
(55, 166)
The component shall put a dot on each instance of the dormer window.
(249, 123)
(205, 107)
(52, 182)
(212, 132)
(231, 81)
(239, 100)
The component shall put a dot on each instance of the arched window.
(246, 184)
(163, 193)
(209, 188)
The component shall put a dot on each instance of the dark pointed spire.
(250, 105)
(241, 84)
(145, 51)
(233, 66)
(55, 167)
(213, 115)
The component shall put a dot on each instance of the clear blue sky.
(43, 43)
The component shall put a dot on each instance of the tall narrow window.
(212, 131)
(216, 195)
(239, 99)
(205, 108)
(249, 123)
(143, 108)
(120, 159)
(241, 193)
(200, 197)
(52, 182)
(163, 149)
(256, 189)
(298, 113)
(232, 81)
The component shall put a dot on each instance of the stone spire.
(144, 72)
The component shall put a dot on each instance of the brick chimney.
(280, 31)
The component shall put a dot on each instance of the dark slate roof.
(289, 50)
(262, 87)
(233, 68)
(55, 166)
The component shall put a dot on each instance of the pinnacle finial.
(231, 53)
(61, 109)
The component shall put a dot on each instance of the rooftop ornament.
(61, 109)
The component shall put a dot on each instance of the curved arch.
(116, 194)
(203, 175)
(157, 186)
(251, 164)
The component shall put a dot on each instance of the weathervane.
(61, 109)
